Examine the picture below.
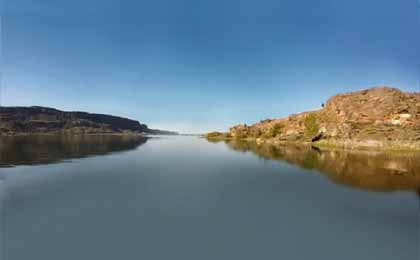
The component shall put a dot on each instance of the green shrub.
(267, 135)
(214, 135)
(257, 133)
(311, 125)
(276, 129)
(242, 135)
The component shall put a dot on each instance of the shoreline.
(65, 133)
(348, 145)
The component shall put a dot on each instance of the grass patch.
(276, 129)
(217, 136)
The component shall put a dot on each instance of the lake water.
(100, 198)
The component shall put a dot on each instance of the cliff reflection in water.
(367, 170)
(44, 149)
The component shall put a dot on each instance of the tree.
(311, 125)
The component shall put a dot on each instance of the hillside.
(44, 120)
(380, 117)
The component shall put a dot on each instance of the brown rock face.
(29, 120)
(381, 105)
(369, 117)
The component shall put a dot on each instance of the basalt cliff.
(380, 117)
(44, 120)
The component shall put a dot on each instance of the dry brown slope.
(381, 117)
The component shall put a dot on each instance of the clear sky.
(194, 65)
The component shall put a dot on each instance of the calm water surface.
(101, 198)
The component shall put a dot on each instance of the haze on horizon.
(194, 65)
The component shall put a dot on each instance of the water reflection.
(32, 150)
(367, 170)
(197, 201)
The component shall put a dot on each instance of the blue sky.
(194, 65)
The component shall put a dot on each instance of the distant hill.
(381, 117)
(44, 120)
(162, 132)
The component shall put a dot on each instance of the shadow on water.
(366, 170)
(33, 150)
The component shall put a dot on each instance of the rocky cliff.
(377, 117)
(41, 120)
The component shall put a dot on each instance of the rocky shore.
(380, 118)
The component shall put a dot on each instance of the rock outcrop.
(375, 106)
(376, 117)
(43, 120)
